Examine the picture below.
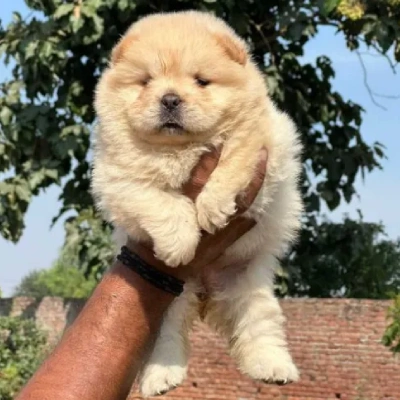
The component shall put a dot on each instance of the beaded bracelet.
(157, 278)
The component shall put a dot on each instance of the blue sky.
(379, 194)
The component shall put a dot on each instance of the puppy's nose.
(170, 101)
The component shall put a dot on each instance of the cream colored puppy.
(176, 85)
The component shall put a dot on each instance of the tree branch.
(373, 94)
(376, 48)
(258, 28)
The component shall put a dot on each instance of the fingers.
(232, 232)
(204, 168)
(212, 246)
(244, 201)
(201, 172)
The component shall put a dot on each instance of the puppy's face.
(177, 80)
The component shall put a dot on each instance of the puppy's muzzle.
(170, 111)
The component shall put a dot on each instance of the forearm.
(121, 318)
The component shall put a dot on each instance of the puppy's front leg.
(167, 366)
(217, 201)
(168, 218)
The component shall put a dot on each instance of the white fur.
(137, 185)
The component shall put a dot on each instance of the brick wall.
(335, 343)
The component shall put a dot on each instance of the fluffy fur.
(144, 153)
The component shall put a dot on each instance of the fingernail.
(263, 154)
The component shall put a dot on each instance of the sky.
(379, 193)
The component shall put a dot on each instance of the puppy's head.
(177, 78)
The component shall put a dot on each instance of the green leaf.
(30, 50)
(313, 203)
(327, 6)
(368, 27)
(383, 37)
(379, 152)
(36, 178)
(16, 16)
(5, 115)
(5, 187)
(397, 51)
(63, 10)
(77, 24)
(348, 193)
(52, 173)
(295, 30)
(23, 193)
(123, 4)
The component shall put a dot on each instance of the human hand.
(211, 247)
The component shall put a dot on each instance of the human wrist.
(156, 277)
(124, 281)
(146, 253)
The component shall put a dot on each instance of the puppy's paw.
(175, 233)
(270, 364)
(177, 251)
(213, 211)
(179, 246)
(159, 379)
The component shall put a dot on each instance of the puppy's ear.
(118, 52)
(233, 48)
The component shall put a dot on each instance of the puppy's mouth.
(172, 126)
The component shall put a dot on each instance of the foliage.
(22, 347)
(64, 279)
(88, 244)
(46, 112)
(347, 259)
(60, 280)
(391, 337)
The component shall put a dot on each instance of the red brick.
(335, 343)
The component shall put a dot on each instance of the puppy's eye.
(201, 81)
(145, 81)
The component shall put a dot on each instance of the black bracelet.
(157, 278)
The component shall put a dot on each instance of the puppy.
(176, 85)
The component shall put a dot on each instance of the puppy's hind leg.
(167, 365)
(251, 318)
